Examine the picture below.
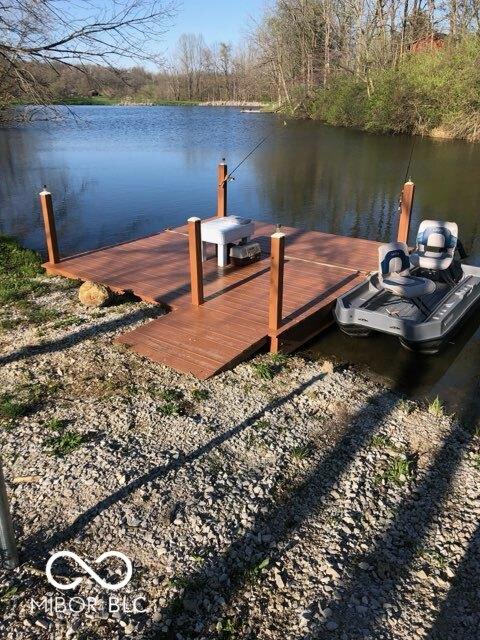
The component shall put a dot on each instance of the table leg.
(222, 255)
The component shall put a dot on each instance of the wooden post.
(195, 252)
(406, 205)
(277, 257)
(49, 224)
(222, 189)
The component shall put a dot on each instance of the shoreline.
(293, 495)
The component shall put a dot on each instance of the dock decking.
(233, 322)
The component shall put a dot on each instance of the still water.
(117, 173)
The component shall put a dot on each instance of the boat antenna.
(257, 146)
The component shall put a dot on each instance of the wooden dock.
(232, 323)
(220, 316)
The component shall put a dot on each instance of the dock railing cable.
(8, 546)
(49, 225)
(275, 306)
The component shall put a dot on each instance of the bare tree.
(35, 34)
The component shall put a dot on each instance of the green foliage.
(268, 368)
(435, 408)
(200, 394)
(425, 91)
(254, 572)
(65, 441)
(399, 471)
(11, 408)
(227, 629)
(174, 404)
(301, 452)
(19, 269)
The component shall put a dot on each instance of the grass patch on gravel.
(435, 408)
(267, 369)
(400, 470)
(64, 441)
(173, 402)
(11, 408)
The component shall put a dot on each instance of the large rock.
(92, 294)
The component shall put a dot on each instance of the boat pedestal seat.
(436, 245)
(394, 273)
(407, 286)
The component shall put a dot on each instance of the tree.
(35, 34)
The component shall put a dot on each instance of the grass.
(65, 441)
(380, 441)
(476, 462)
(267, 369)
(227, 629)
(6, 596)
(254, 572)
(301, 452)
(69, 321)
(435, 408)
(200, 394)
(406, 406)
(11, 408)
(173, 402)
(19, 270)
(399, 471)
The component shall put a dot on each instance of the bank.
(283, 498)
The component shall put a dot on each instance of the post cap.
(194, 219)
(278, 234)
(45, 192)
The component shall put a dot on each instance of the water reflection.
(118, 173)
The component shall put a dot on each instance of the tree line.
(380, 65)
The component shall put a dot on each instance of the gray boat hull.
(367, 308)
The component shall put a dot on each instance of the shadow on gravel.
(83, 334)
(229, 572)
(393, 553)
(459, 616)
(38, 546)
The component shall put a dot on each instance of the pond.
(117, 173)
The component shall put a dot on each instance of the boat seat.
(394, 273)
(436, 245)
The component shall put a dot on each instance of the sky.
(217, 20)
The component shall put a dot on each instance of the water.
(117, 173)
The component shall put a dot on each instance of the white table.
(225, 231)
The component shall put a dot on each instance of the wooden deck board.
(233, 322)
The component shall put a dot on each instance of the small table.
(225, 231)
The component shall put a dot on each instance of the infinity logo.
(89, 570)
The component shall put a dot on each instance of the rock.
(92, 294)
(327, 367)
(331, 625)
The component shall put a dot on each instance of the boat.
(252, 111)
(423, 297)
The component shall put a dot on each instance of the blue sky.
(217, 20)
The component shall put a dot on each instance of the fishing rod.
(410, 160)
(407, 176)
(257, 146)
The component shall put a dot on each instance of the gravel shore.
(286, 499)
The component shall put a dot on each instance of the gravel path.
(317, 504)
